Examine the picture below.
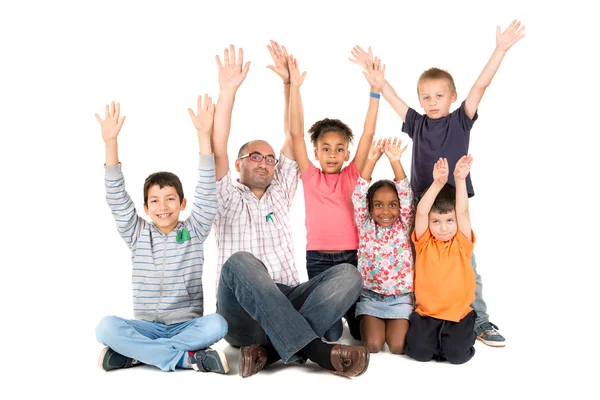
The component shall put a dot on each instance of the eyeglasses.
(257, 157)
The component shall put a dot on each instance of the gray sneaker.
(488, 334)
(210, 360)
(110, 359)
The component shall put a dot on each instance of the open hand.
(279, 55)
(440, 171)
(375, 73)
(463, 167)
(376, 149)
(203, 121)
(393, 148)
(295, 78)
(510, 36)
(111, 124)
(231, 73)
(361, 57)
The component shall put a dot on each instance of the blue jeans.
(156, 344)
(479, 304)
(258, 310)
(317, 262)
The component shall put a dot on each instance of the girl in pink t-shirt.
(384, 216)
(332, 236)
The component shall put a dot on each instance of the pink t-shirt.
(329, 211)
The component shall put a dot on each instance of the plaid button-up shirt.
(259, 226)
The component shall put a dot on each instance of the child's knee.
(457, 355)
(396, 347)
(216, 324)
(106, 329)
(373, 344)
(419, 350)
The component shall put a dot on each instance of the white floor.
(514, 370)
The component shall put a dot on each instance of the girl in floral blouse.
(384, 216)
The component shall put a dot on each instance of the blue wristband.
(374, 95)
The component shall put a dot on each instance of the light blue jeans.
(258, 310)
(157, 344)
(479, 304)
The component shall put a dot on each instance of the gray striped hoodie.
(167, 276)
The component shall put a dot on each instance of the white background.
(65, 267)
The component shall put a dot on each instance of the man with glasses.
(270, 315)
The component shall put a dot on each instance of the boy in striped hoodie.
(169, 329)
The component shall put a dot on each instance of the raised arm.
(504, 41)
(231, 76)
(297, 115)
(390, 95)
(129, 224)
(375, 74)
(374, 155)
(440, 177)
(393, 150)
(462, 169)
(111, 126)
(205, 195)
(203, 122)
(279, 55)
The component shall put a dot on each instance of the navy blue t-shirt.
(434, 138)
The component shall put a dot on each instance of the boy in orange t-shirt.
(442, 326)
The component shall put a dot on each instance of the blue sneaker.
(210, 360)
(110, 359)
(488, 334)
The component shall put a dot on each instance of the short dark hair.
(329, 125)
(436, 73)
(375, 187)
(445, 201)
(163, 179)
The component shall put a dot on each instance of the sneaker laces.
(490, 329)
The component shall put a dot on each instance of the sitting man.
(271, 316)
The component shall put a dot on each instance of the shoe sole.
(492, 343)
(223, 362)
(223, 359)
(101, 357)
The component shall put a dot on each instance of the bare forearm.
(296, 121)
(222, 122)
(112, 152)
(204, 143)
(428, 198)
(366, 139)
(490, 69)
(288, 149)
(372, 111)
(367, 169)
(390, 95)
(399, 174)
(462, 198)
(221, 129)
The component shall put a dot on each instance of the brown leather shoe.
(349, 361)
(252, 359)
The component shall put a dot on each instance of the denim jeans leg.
(197, 333)
(245, 284)
(316, 263)
(324, 299)
(141, 340)
(479, 304)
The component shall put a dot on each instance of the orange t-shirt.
(444, 277)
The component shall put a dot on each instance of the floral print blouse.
(385, 258)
